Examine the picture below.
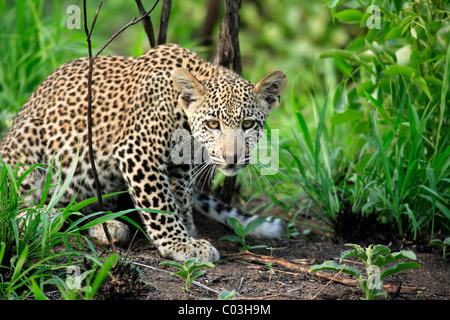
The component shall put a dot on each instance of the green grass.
(363, 123)
(376, 138)
(381, 147)
(35, 250)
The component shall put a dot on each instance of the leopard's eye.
(247, 124)
(213, 124)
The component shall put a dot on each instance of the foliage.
(394, 92)
(365, 124)
(33, 44)
(242, 232)
(443, 244)
(189, 271)
(228, 295)
(379, 138)
(28, 233)
(375, 258)
(38, 242)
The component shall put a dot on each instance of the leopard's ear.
(190, 89)
(270, 88)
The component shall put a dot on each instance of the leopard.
(140, 107)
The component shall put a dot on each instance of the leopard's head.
(227, 114)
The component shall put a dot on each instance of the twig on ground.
(165, 271)
(249, 256)
(331, 280)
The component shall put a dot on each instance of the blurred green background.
(363, 122)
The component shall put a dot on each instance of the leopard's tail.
(217, 210)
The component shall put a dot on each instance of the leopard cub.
(139, 104)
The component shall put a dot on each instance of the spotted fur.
(138, 105)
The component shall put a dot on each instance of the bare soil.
(248, 274)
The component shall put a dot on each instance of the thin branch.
(165, 271)
(129, 24)
(147, 23)
(89, 118)
(164, 21)
(252, 257)
(331, 280)
(89, 98)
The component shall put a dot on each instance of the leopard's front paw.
(181, 252)
(120, 233)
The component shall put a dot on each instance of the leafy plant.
(189, 271)
(376, 260)
(31, 233)
(271, 271)
(227, 295)
(443, 244)
(394, 92)
(84, 286)
(242, 232)
(377, 141)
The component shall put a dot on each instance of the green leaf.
(436, 242)
(350, 16)
(423, 85)
(361, 254)
(403, 254)
(197, 274)
(378, 250)
(227, 295)
(349, 56)
(38, 293)
(332, 265)
(237, 226)
(396, 70)
(333, 3)
(343, 66)
(349, 115)
(172, 264)
(102, 273)
(197, 264)
(397, 268)
(305, 130)
(182, 273)
(340, 101)
(252, 225)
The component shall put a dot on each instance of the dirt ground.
(249, 274)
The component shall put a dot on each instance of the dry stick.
(247, 255)
(164, 21)
(228, 53)
(129, 24)
(331, 280)
(89, 98)
(165, 271)
(147, 23)
(89, 117)
(205, 33)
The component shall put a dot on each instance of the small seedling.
(189, 271)
(227, 295)
(271, 271)
(443, 244)
(375, 258)
(242, 232)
